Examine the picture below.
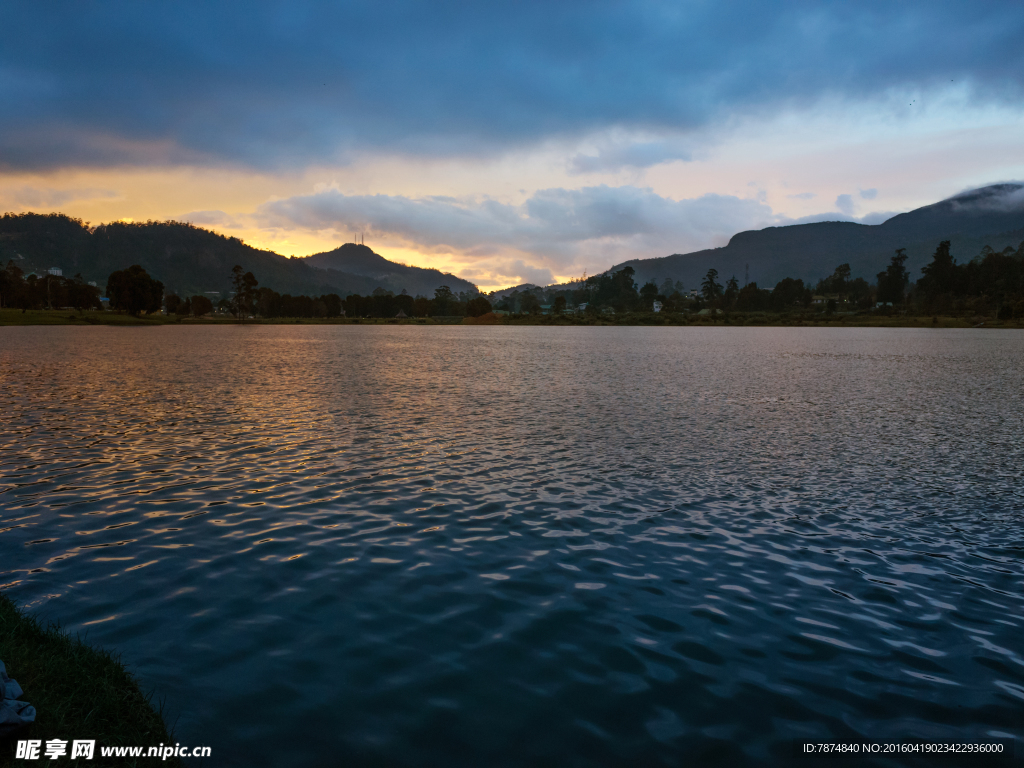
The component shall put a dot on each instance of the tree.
(12, 285)
(559, 306)
(710, 289)
(648, 294)
(837, 283)
(841, 279)
(81, 295)
(752, 299)
(443, 300)
(244, 284)
(940, 275)
(333, 303)
(732, 291)
(420, 306)
(529, 304)
(132, 290)
(788, 293)
(201, 305)
(892, 283)
(478, 306)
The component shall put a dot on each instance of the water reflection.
(479, 545)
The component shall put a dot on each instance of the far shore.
(10, 317)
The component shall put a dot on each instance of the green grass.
(79, 692)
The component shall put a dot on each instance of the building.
(55, 271)
(657, 306)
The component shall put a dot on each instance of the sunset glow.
(513, 190)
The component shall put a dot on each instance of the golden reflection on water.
(664, 531)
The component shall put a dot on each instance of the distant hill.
(190, 260)
(502, 293)
(988, 216)
(355, 259)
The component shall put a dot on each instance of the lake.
(518, 546)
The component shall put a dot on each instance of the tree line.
(45, 291)
(250, 300)
(992, 282)
(446, 303)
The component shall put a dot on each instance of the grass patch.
(79, 692)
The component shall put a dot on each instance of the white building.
(55, 271)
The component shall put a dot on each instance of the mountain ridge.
(992, 215)
(187, 259)
(358, 259)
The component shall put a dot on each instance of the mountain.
(190, 260)
(355, 259)
(502, 293)
(991, 215)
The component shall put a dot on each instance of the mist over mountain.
(992, 215)
(190, 260)
(355, 259)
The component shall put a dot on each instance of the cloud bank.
(559, 229)
(47, 197)
(276, 85)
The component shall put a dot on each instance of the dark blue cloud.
(271, 84)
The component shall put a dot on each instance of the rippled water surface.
(468, 546)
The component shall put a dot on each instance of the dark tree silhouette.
(529, 304)
(200, 305)
(732, 291)
(892, 283)
(478, 306)
(133, 291)
(244, 301)
(711, 289)
(940, 275)
(648, 294)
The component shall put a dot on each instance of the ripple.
(468, 546)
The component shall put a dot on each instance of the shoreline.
(15, 317)
(78, 691)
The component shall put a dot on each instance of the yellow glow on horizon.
(186, 194)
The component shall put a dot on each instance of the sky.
(505, 143)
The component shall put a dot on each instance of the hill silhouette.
(191, 260)
(992, 215)
(355, 259)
